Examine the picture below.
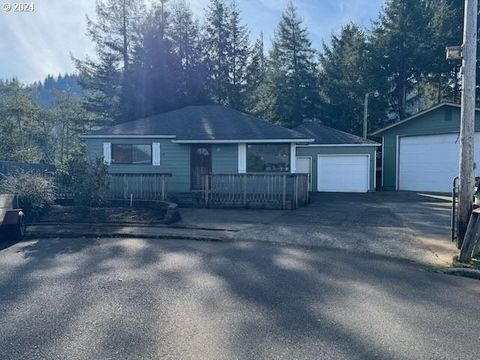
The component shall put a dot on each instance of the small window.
(132, 154)
(268, 158)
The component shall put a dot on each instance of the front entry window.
(268, 158)
(132, 154)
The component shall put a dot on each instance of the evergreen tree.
(46, 90)
(25, 127)
(115, 34)
(151, 84)
(446, 29)
(255, 77)
(237, 58)
(102, 83)
(184, 32)
(216, 43)
(345, 78)
(69, 120)
(399, 42)
(293, 72)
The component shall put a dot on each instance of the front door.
(200, 164)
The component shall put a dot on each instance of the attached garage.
(337, 161)
(343, 173)
(421, 153)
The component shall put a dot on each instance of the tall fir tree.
(103, 86)
(446, 29)
(151, 82)
(293, 72)
(398, 41)
(216, 44)
(115, 34)
(184, 32)
(237, 58)
(255, 77)
(345, 78)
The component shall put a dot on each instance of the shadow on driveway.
(146, 299)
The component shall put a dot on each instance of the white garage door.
(430, 162)
(343, 173)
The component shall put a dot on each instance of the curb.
(465, 272)
(128, 224)
(57, 235)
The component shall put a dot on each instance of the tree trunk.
(124, 34)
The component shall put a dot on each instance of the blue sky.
(33, 45)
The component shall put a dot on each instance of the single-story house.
(222, 155)
(420, 153)
(337, 161)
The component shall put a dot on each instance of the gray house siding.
(443, 120)
(174, 159)
(225, 158)
(314, 151)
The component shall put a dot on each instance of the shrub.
(87, 181)
(36, 192)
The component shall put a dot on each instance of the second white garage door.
(430, 162)
(343, 173)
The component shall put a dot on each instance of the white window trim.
(156, 154)
(107, 153)
(293, 158)
(242, 158)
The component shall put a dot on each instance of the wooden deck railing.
(279, 190)
(145, 187)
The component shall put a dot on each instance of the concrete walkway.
(402, 225)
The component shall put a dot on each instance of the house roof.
(325, 135)
(210, 123)
(410, 118)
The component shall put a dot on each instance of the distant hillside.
(46, 89)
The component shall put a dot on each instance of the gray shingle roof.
(325, 135)
(204, 123)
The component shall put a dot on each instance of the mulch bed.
(77, 214)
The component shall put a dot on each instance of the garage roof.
(413, 117)
(209, 123)
(325, 135)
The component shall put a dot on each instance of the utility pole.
(365, 112)
(365, 116)
(467, 118)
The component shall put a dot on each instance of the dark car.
(12, 218)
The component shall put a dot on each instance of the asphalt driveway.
(175, 299)
(396, 224)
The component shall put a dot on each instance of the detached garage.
(337, 161)
(420, 153)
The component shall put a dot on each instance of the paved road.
(167, 299)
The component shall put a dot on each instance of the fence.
(144, 187)
(11, 167)
(278, 190)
